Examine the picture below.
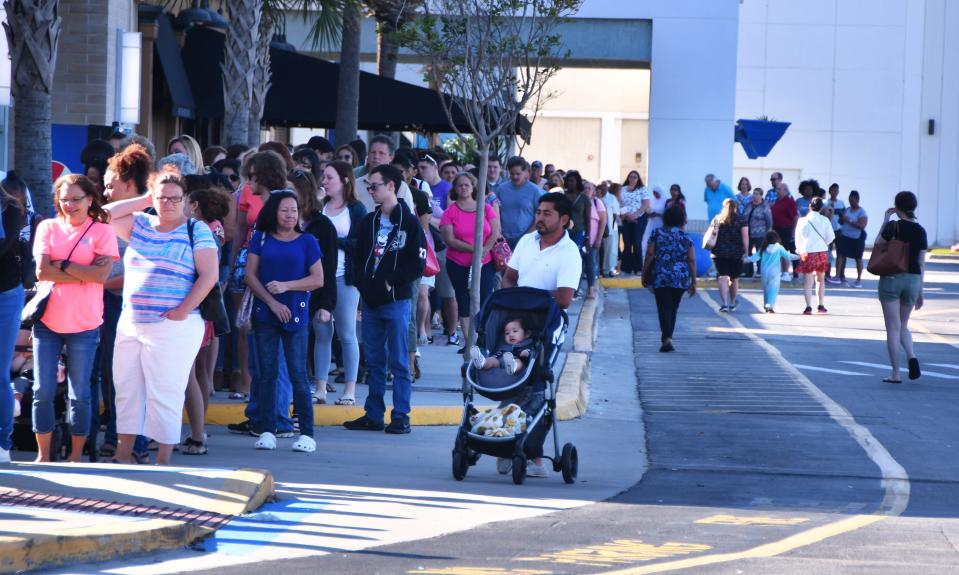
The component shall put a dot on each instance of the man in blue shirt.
(775, 179)
(518, 198)
(715, 193)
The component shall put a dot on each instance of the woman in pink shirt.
(458, 227)
(75, 251)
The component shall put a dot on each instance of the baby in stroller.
(512, 353)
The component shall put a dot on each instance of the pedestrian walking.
(732, 243)
(770, 256)
(813, 236)
(545, 259)
(391, 254)
(851, 243)
(283, 267)
(75, 251)
(670, 270)
(160, 329)
(900, 293)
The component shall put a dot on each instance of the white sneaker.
(534, 470)
(476, 356)
(266, 441)
(305, 444)
(509, 363)
(4, 455)
(786, 277)
(503, 465)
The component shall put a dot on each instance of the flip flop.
(330, 388)
(346, 401)
(891, 380)
(914, 371)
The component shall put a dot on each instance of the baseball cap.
(536, 164)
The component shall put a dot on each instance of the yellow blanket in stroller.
(500, 422)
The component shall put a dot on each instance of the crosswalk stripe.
(827, 370)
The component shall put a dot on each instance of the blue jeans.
(81, 349)
(11, 303)
(284, 390)
(589, 259)
(384, 340)
(268, 351)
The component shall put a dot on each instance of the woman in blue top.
(282, 268)
(672, 260)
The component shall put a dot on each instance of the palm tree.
(391, 16)
(261, 80)
(348, 88)
(239, 67)
(33, 34)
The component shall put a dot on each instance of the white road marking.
(895, 479)
(902, 369)
(945, 365)
(827, 370)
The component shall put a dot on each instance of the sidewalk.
(437, 396)
(61, 514)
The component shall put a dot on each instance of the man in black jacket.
(390, 254)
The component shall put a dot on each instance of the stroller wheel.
(570, 463)
(519, 469)
(461, 465)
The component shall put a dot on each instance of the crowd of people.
(335, 265)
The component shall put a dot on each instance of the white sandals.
(305, 444)
(266, 441)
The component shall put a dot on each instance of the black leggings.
(667, 305)
(460, 278)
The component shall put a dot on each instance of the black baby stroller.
(547, 324)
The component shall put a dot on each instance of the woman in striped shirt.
(160, 328)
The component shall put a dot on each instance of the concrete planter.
(758, 137)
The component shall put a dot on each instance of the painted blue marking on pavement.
(246, 534)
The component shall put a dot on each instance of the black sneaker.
(398, 426)
(364, 424)
(244, 428)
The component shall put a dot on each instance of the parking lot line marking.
(791, 543)
(895, 479)
(617, 552)
(827, 370)
(747, 521)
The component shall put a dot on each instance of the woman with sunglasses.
(346, 153)
(75, 251)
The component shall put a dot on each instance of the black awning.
(173, 69)
(303, 92)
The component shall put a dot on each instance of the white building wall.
(859, 80)
(692, 88)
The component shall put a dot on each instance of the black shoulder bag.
(212, 308)
(34, 309)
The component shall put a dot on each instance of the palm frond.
(326, 17)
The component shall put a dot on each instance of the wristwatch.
(64, 264)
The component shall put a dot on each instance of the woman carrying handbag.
(900, 293)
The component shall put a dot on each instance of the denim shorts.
(902, 287)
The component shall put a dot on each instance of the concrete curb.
(241, 492)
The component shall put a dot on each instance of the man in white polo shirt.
(547, 258)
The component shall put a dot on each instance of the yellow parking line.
(773, 549)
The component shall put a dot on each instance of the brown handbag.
(889, 257)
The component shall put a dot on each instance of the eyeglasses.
(169, 199)
(428, 158)
(71, 201)
(345, 158)
(373, 186)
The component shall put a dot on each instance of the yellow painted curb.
(244, 491)
(327, 415)
(572, 394)
(22, 553)
(585, 333)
